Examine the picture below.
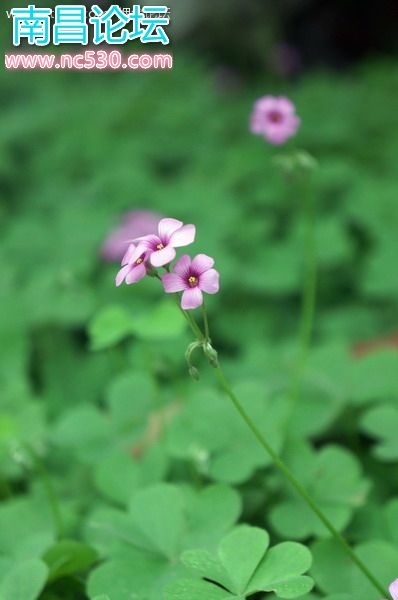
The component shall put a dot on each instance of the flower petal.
(173, 283)
(202, 263)
(191, 298)
(393, 589)
(209, 281)
(183, 265)
(162, 257)
(148, 241)
(167, 227)
(285, 106)
(136, 252)
(120, 277)
(265, 104)
(128, 254)
(137, 273)
(183, 236)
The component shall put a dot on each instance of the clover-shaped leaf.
(142, 545)
(333, 477)
(229, 454)
(120, 474)
(381, 422)
(26, 527)
(23, 580)
(373, 377)
(376, 521)
(244, 566)
(92, 433)
(330, 559)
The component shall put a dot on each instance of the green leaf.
(213, 511)
(240, 554)
(333, 478)
(381, 422)
(158, 513)
(118, 475)
(110, 326)
(373, 377)
(24, 581)
(84, 430)
(134, 573)
(26, 527)
(195, 589)
(163, 323)
(229, 454)
(206, 565)
(244, 566)
(142, 545)
(68, 557)
(280, 571)
(381, 558)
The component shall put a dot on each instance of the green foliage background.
(112, 462)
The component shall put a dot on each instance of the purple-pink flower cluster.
(192, 277)
(274, 118)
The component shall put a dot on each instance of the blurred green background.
(91, 374)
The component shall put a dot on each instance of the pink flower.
(133, 267)
(161, 248)
(275, 118)
(192, 277)
(134, 224)
(393, 589)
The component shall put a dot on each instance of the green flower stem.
(206, 322)
(284, 469)
(279, 463)
(309, 290)
(193, 325)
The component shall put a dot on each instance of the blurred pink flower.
(275, 118)
(393, 589)
(134, 224)
(161, 248)
(132, 270)
(192, 277)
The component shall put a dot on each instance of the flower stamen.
(159, 246)
(193, 281)
(275, 116)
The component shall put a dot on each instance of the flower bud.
(211, 354)
(194, 373)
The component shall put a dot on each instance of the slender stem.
(284, 469)
(189, 319)
(278, 462)
(309, 289)
(194, 326)
(205, 321)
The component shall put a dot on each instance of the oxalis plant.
(243, 565)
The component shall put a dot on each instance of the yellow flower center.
(139, 261)
(193, 281)
(159, 246)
